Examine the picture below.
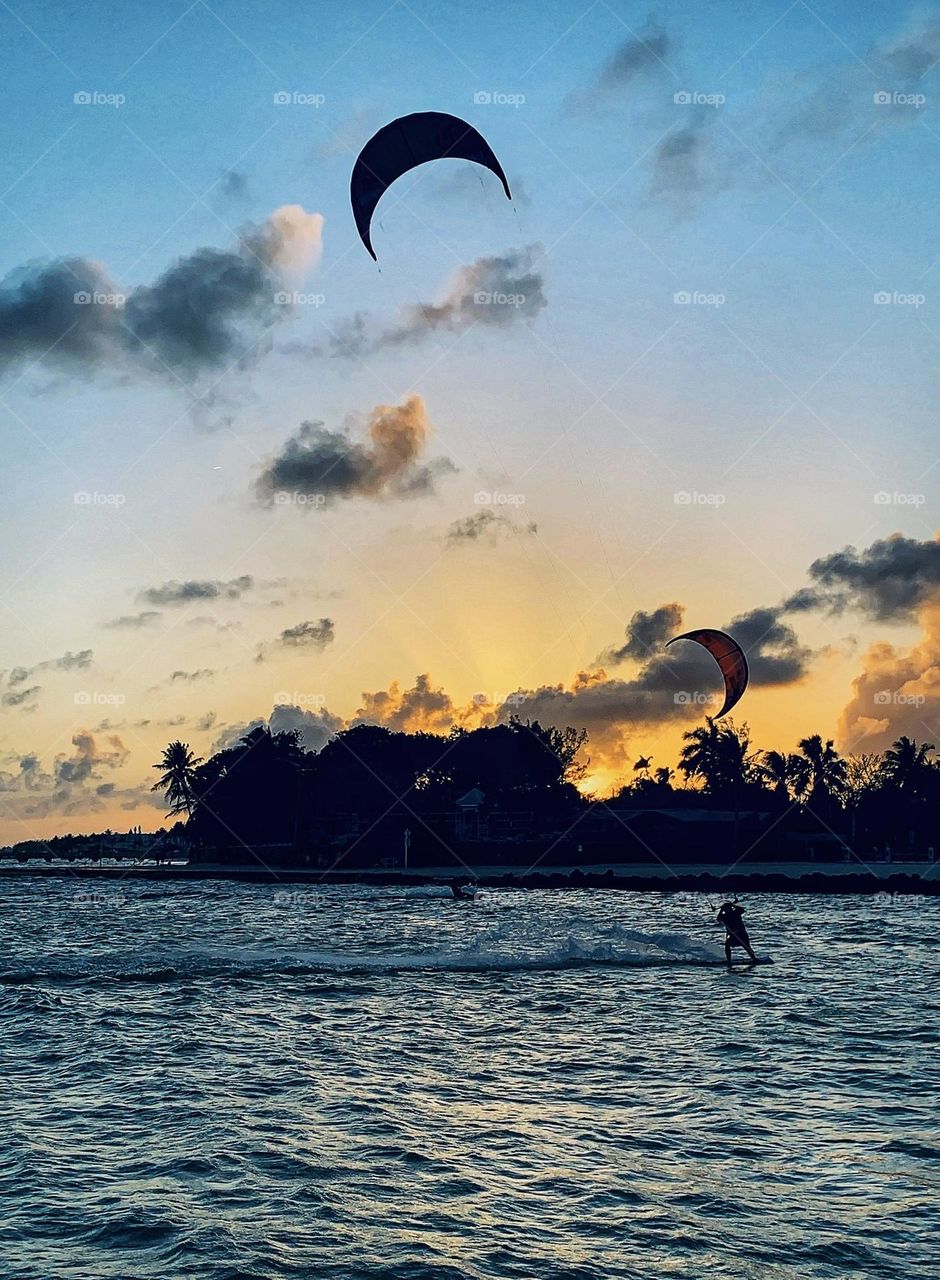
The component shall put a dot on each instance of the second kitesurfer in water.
(731, 915)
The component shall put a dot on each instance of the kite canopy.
(403, 145)
(730, 658)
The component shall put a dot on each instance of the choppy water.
(230, 1081)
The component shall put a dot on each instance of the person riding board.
(462, 890)
(731, 915)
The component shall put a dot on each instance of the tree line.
(369, 784)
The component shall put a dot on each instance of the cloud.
(314, 635)
(911, 55)
(88, 757)
(315, 727)
(639, 59)
(305, 635)
(175, 593)
(849, 100)
(68, 662)
(133, 621)
(486, 524)
(495, 292)
(646, 635)
(191, 677)
(325, 466)
(290, 241)
(685, 167)
(888, 581)
(24, 698)
(206, 310)
(76, 782)
(233, 186)
(206, 722)
(19, 693)
(897, 692)
(419, 709)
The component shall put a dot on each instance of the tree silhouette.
(177, 779)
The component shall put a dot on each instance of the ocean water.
(234, 1082)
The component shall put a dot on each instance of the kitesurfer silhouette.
(731, 915)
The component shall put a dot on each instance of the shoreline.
(917, 878)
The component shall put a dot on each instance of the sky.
(686, 377)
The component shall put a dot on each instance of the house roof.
(471, 799)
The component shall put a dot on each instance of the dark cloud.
(206, 310)
(68, 662)
(76, 783)
(637, 56)
(849, 100)
(190, 677)
(206, 722)
(305, 635)
(134, 621)
(89, 756)
(233, 186)
(25, 698)
(314, 635)
(774, 653)
(495, 292)
(488, 524)
(323, 466)
(639, 59)
(646, 634)
(315, 727)
(685, 167)
(179, 593)
(888, 581)
(912, 55)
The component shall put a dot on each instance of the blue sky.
(791, 200)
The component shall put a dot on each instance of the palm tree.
(719, 755)
(905, 762)
(178, 777)
(785, 773)
(824, 770)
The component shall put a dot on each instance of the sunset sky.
(667, 386)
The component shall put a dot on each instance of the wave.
(622, 948)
